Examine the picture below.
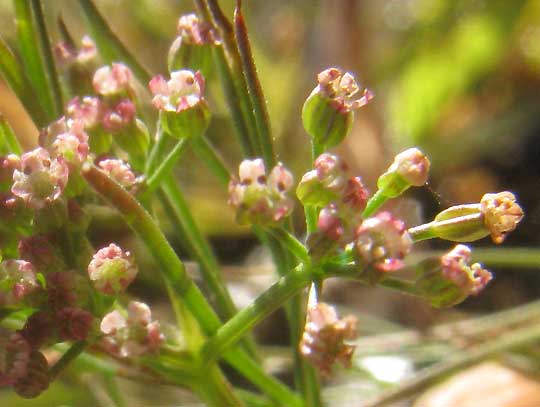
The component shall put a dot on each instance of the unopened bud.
(184, 111)
(74, 324)
(115, 81)
(193, 47)
(17, 281)
(329, 111)
(451, 279)
(120, 171)
(112, 270)
(410, 168)
(39, 251)
(323, 341)
(258, 198)
(501, 214)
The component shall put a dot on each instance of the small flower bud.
(74, 324)
(68, 55)
(39, 251)
(132, 336)
(119, 171)
(38, 328)
(87, 110)
(501, 214)
(410, 168)
(260, 199)
(184, 111)
(41, 179)
(14, 359)
(114, 81)
(17, 281)
(112, 269)
(382, 241)
(193, 46)
(36, 380)
(328, 112)
(119, 116)
(450, 280)
(66, 138)
(323, 340)
(61, 289)
(330, 233)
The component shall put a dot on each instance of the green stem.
(402, 286)
(290, 242)
(208, 155)
(422, 232)
(255, 92)
(214, 389)
(166, 166)
(8, 141)
(263, 305)
(311, 215)
(375, 202)
(458, 361)
(157, 150)
(75, 350)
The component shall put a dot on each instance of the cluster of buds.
(495, 215)
(133, 336)
(112, 269)
(328, 112)
(451, 279)
(382, 242)
(121, 172)
(184, 111)
(192, 48)
(323, 341)
(78, 64)
(66, 138)
(341, 196)
(258, 198)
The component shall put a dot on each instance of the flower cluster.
(323, 340)
(112, 269)
(258, 198)
(133, 335)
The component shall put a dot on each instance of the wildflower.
(329, 111)
(192, 47)
(501, 214)
(451, 279)
(61, 289)
(87, 110)
(119, 116)
(114, 81)
(181, 100)
(120, 171)
(258, 198)
(68, 55)
(132, 336)
(39, 251)
(410, 168)
(112, 269)
(73, 323)
(41, 179)
(382, 241)
(323, 340)
(17, 281)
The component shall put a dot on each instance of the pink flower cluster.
(183, 91)
(112, 269)
(456, 267)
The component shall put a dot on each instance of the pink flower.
(455, 268)
(113, 80)
(74, 324)
(383, 242)
(119, 116)
(67, 54)
(119, 171)
(501, 214)
(17, 281)
(41, 179)
(87, 110)
(183, 91)
(112, 269)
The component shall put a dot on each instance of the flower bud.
(260, 199)
(112, 269)
(119, 116)
(36, 380)
(329, 111)
(410, 168)
(323, 340)
(14, 359)
(501, 214)
(115, 81)
(78, 64)
(451, 279)
(193, 47)
(382, 242)
(39, 251)
(184, 111)
(132, 336)
(41, 179)
(74, 324)
(17, 281)
(88, 111)
(119, 171)
(38, 329)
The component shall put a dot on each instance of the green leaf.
(8, 140)
(32, 36)
(110, 46)
(12, 72)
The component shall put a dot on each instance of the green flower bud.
(193, 47)
(328, 112)
(410, 168)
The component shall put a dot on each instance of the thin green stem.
(165, 168)
(311, 215)
(255, 91)
(422, 232)
(458, 361)
(375, 202)
(72, 353)
(207, 153)
(8, 141)
(293, 245)
(266, 303)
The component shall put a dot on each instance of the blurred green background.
(458, 78)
